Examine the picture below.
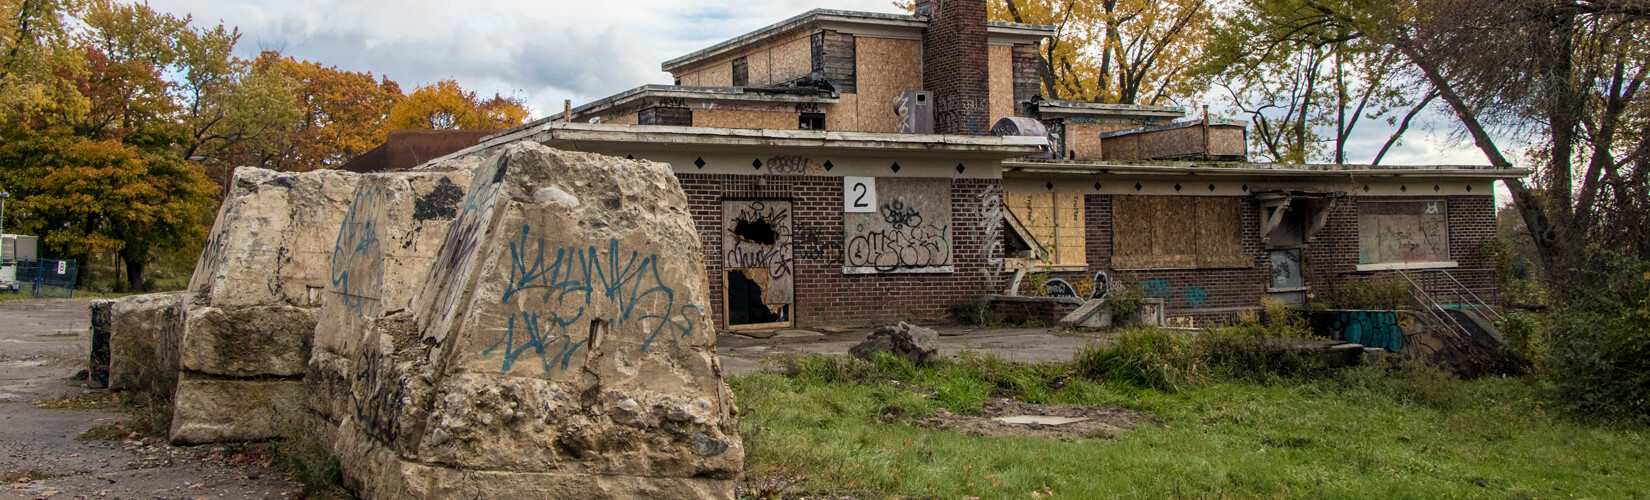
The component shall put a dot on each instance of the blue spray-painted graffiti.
(1383, 329)
(1193, 295)
(357, 242)
(629, 288)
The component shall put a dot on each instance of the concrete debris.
(529, 324)
(1038, 420)
(914, 343)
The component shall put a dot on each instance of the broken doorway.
(758, 278)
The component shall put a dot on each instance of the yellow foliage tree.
(446, 106)
(1116, 51)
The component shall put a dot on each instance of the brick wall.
(1329, 260)
(824, 295)
(955, 67)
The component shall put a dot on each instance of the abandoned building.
(849, 168)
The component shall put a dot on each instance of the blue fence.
(45, 278)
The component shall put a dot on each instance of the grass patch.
(1387, 431)
(112, 432)
(310, 464)
(94, 401)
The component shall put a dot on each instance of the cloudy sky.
(548, 51)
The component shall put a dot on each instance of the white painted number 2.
(859, 194)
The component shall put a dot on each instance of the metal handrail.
(1436, 309)
(1477, 302)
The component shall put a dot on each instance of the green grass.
(1397, 432)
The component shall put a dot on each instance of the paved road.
(42, 344)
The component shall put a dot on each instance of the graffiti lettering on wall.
(459, 247)
(354, 254)
(376, 394)
(793, 165)
(757, 238)
(614, 291)
(1194, 296)
(958, 112)
(989, 214)
(817, 242)
(909, 232)
(1383, 329)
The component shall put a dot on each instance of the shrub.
(1125, 307)
(977, 313)
(1599, 359)
(312, 465)
(1160, 359)
(1383, 293)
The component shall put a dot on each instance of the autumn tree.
(337, 115)
(1116, 51)
(446, 106)
(1303, 78)
(99, 171)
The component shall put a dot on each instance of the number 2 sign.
(859, 194)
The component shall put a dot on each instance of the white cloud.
(542, 51)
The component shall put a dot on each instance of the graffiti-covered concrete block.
(248, 341)
(272, 241)
(214, 410)
(561, 343)
(383, 249)
(145, 334)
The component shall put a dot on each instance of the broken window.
(741, 72)
(811, 121)
(1052, 224)
(1177, 232)
(1403, 234)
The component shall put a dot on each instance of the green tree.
(1304, 78)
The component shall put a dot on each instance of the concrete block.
(213, 410)
(145, 334)
(248, 341)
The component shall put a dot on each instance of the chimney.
(955, 65)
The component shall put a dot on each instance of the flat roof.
(1171, 126)
(577, 136)
(844, 16)
(1065, 107)
(1215, 168)
(686, 92)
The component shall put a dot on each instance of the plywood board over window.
(910, 232)
(1403, 234)
(1054, 222)
(1166, 232)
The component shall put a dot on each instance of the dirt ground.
(742, 355)
(42, 345)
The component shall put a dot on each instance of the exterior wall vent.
(915, 109)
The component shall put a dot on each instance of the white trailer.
(13, 248)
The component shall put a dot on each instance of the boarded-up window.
(1176, 232)
(1403, 232)
(1054, 223)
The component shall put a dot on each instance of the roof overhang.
(639, 138)
(1021, 167)
(853, 22)
(1064, 109)
(651, 91)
